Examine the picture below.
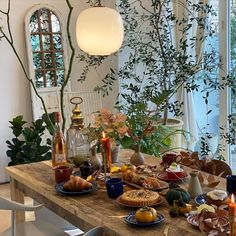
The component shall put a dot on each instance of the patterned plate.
(163, 176)
(131, 220)
(193, 220)
(200, 199)
(59, 189)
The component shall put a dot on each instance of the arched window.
(47, 56)
(47, 48)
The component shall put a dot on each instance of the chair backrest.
(97, 231)
(6, 204)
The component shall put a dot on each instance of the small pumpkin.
(177, 194)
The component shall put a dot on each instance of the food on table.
(147, 169)
(146, 214)
(76, 184)
(151, 183)
(126, 167)
(209, 220)
(180, 208)
(89, 178)
(132, 177)
(115, 169)
(205, 207)
(140, 197)
(174, 171)
(217, 197)
(174, 167)
(177, 194)
(147, 182)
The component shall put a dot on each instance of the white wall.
(15, 90)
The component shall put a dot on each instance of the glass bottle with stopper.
(59, 149)
(77, 143)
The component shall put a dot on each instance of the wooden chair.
(34, 228)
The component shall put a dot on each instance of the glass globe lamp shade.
(99, 31)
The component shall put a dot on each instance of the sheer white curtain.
(189, 117)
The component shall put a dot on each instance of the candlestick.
(106, 153)
(232, 215)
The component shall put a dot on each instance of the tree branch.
(70, 64)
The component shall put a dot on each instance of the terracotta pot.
(137, 158)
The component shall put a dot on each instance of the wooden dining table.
(37, 181)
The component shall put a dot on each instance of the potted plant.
(154, 63)
(27, 146)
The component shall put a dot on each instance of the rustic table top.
(37, 181)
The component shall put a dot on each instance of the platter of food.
(141, 181)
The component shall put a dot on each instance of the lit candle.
(232, 215)
(106, 152)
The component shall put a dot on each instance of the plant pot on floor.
(174, 124)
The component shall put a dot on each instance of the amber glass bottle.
(59, 150)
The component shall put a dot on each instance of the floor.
(5, 216)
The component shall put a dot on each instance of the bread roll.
(76, 184)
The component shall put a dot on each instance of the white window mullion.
(224, 36)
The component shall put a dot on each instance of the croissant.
(76, 184)
(151, 183)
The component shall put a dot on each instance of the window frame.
(224, 98)
(29, 48)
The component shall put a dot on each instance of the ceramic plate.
(131, 220)
(163, 176)
(159, 201)
(59, 189)
(193, 220)
(200, 199)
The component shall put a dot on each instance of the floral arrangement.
(114, 125)
(128, 130)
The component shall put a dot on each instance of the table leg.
(18, 196)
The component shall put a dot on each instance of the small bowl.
(174, 175)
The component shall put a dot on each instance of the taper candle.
(106, 151)
(232, 215)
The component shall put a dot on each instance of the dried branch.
(70, 63)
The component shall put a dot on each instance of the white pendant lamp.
(99, 30)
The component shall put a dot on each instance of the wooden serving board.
(164, 185)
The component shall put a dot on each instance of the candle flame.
(103, 134)
(232, 198)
